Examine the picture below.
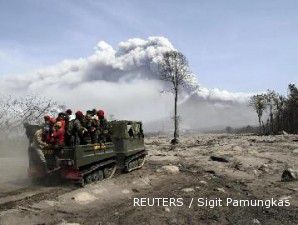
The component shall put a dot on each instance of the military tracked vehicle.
(83, 164)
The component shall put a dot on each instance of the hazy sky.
(236, 45)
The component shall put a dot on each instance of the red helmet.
(69, 112)
(79, 114)
(100, 113)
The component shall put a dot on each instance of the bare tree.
(258, 102)
(14, 111)
(174, 69)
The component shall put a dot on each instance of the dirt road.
(201, 166)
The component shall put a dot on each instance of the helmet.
(89, 112)
(69, 112)
(100, 113)
(79, 114)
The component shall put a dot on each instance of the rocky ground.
(201, 166)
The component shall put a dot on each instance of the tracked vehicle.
(88, 163)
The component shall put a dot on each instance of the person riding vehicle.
(35, 149)
(57, 138)
(69, 127)
(79, 129)
(102, 126)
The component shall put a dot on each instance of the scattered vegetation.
(282, 111)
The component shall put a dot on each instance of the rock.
(237, 165)
(167, 209)
(188, 190)
(256, 221)
(289, 175)
(125, 191)
(284, 133)
(255, 172)
(285, 198)
(84, 197)
(293, 189)
(66, 223)
(264, 168)
(237, 148)
(295, 151)
(212, 172)
(219, 158)
(170, 169)
(203, 182)
(135, 190)
(221, 190)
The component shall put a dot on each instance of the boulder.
(167, 209)
(221, 190)
(170, 169)
(237, 148)
(203, 182)
(188, 190)
(256, 221)
(289, 175)
(219, 158)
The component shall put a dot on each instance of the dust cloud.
(13, 164)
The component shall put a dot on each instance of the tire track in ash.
(29, 195)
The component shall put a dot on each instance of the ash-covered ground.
(245, 167)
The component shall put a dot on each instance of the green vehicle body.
(84, 155)
(122, 145)
(127, 144)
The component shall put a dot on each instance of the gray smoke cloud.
(124, 81)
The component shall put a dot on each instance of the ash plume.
(125, 82)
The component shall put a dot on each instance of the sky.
(239, 46)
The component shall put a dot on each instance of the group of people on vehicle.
(65, 130)
(68, 129)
